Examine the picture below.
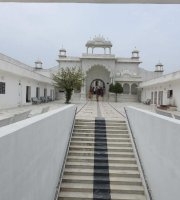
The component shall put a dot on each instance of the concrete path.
(95, 109)
(91, 109)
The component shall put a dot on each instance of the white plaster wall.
(32, 153)
(158, 138)
(15, 94)
(171, 85)
(12, 66)
(44, 72)
(176, 93)
(109, 64)
(11, 96)
(68, 63)
(132, 68)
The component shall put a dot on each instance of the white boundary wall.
(32, 153)
(158, 142)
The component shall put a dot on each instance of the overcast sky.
(31, 31)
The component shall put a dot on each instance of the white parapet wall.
(32, 153)
(158, 141)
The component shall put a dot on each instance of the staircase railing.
(64, 160)
(148, 192)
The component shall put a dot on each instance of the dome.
(62, 50)
(159, 64)
(135, 51)
(135, 54)
(38, 61)
(98, 41)
(38, 64)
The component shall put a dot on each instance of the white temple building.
(19, 82)
(105, 68)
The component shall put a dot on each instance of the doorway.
(28, 94)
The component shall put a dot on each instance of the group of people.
(97, 90)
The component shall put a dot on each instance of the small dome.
(62, 50)
(38, 61)
(38, 64)
(135, 51)
(135, 54)
(159, 64)
(159, 67)
(98, 41)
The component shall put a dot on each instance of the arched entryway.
(97, 87)
(134, 89)
(98, 77)
(126, 88)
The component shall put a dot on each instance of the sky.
(37, 31)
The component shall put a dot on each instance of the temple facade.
(20, 82)
(102, 69)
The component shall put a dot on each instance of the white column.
(130, 84)
(83, 91)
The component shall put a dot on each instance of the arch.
(91, 67)
(97, 85)
(98, 75)
(97, 82)
(126, 88)
(134, 89)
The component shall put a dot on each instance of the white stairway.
(101, 163)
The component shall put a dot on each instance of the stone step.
(90, 121)
(108, 139)
(87, 187)
(121, 131)
(110, 149)
(90, 165)
(101, 127)
(114, 164)
(90, 196)
(112, 173)
(109, 144)
(100, 154)
(101, 160)
(112, 135)
(113, 180)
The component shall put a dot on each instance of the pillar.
(83, 90)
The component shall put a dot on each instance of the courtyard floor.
(91, 109)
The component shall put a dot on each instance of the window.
(2, 88)
(169, 93)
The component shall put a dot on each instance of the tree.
(116, 88)
(68, 79)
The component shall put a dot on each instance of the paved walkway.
(95, 109)
(91, 109)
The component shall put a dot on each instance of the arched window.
(134, 88)
(126, 88)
